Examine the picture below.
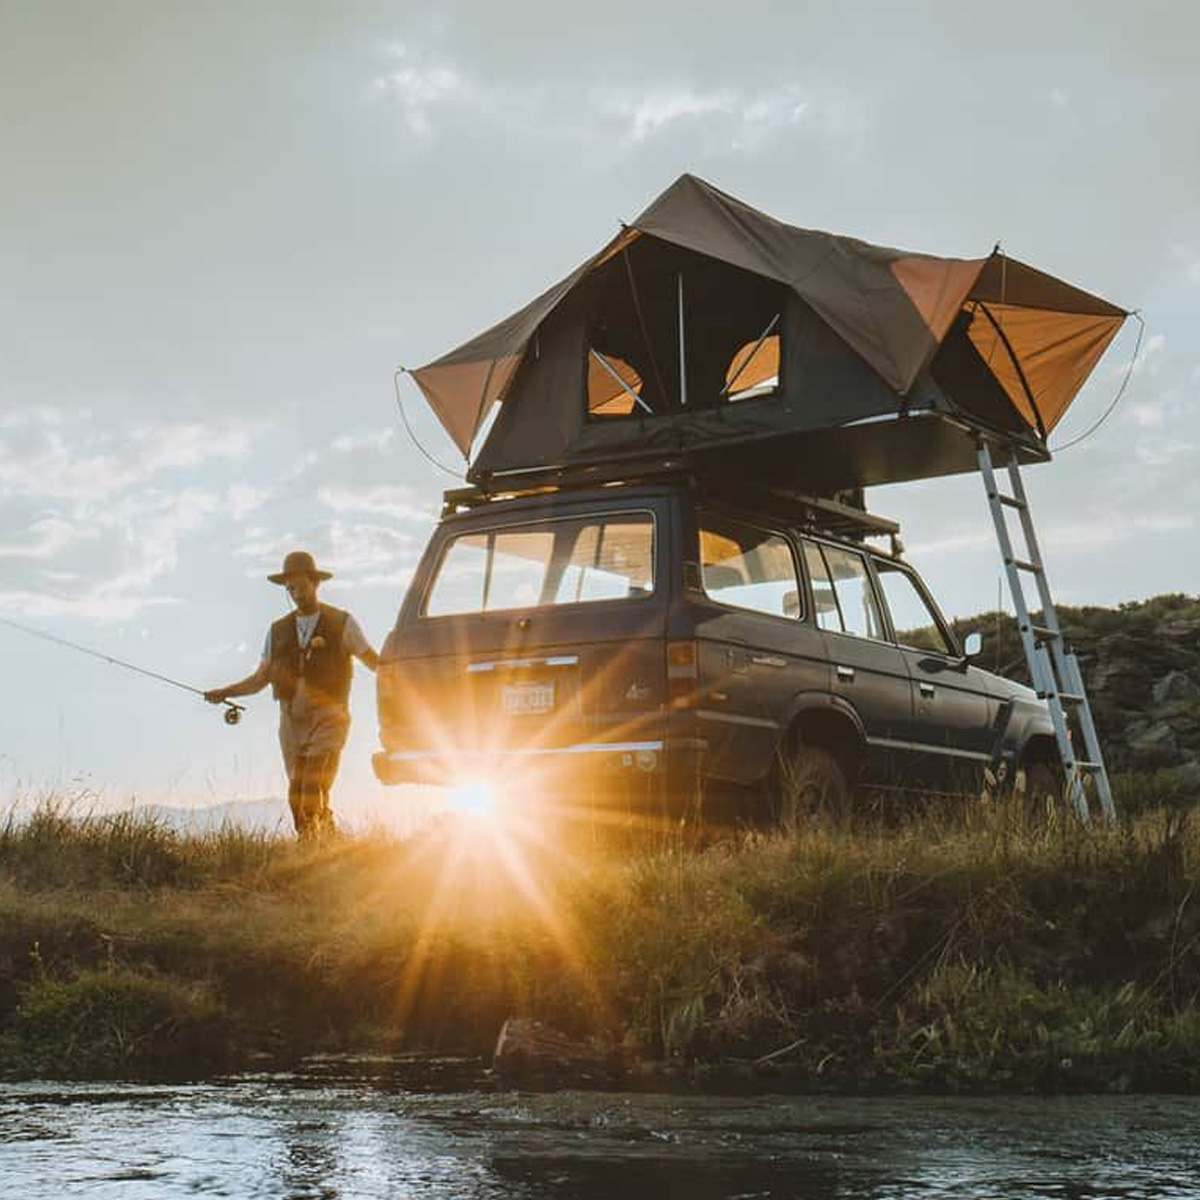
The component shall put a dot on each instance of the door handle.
(768, 660)
(846, 674)
(927, 690)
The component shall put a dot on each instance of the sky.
(223, 226)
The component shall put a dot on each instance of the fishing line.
(233, 712)
(409, 429)
(1120, 391)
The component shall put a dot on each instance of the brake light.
(682, 674)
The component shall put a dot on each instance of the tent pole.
(766, 333)
(682, 349)
(616, 375)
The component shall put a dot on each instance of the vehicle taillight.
(681, 674)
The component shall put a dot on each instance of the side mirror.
(972, 645)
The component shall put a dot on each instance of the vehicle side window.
(824, 597)
(912, 619)
(748, 568)
(844, 574)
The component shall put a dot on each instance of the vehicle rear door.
(868, 672)
(953, 711)
(537, 631)
(755, 653)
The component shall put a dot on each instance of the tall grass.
(966, 947)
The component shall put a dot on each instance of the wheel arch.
(828, 721)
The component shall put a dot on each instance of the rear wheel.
(809, 788)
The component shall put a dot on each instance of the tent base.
(898, 450)
(819, 462)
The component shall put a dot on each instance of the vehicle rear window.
(567, 561)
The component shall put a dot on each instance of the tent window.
(614, 388)
(754, 370)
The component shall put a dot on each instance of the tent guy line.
(412, 435)
(1136, 314)
(233, 712)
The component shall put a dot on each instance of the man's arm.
(244, 687)
(355, 642)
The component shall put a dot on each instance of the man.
(307, 660)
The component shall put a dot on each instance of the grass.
(967, 949)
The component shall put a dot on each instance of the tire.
(809, 789)
(1044, 786)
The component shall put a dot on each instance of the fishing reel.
(233, 712)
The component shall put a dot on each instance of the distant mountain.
(271, 815)
(268, 815)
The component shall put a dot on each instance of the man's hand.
(217, 696)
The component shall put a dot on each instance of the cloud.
(375, 439)
(241, 499)
(360, 554)
(67, 457)
(118, 555)
(88, 525)
(45, 538)
(393, 500)
(420, 85)
(430, 92)
(737, 117)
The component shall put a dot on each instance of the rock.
(1121, 674)
(1154, 746)
(1181, 629)
(1175, 686)
(530, 1052)
(1187, 775)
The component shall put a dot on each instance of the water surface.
(334, 1133)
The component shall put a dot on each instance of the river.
(436, 1130)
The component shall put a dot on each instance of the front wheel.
(1044, 791)
(809, 788)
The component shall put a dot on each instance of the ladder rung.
(1044, 633)
(1072, 698)
(1088, 766)
(1022, 565)
(1011, 501)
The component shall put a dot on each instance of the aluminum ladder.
(1052, 667)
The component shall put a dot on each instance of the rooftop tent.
(709, 330)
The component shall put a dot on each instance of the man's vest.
(324, 664)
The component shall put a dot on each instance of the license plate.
(527, 699)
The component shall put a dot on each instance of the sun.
(476, 798)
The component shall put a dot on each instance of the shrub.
(118, 1023)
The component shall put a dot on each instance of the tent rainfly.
(711, 331)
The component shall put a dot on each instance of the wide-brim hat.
(299, 562)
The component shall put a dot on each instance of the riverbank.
(969, 950)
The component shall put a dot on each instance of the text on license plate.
(521, 699)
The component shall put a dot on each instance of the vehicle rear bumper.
(672, 759)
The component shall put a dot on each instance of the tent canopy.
(706, 326)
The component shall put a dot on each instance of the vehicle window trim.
(801, 618)
(492, 530)
(873, 583)
(939, 619)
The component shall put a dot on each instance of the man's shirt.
(354, 642)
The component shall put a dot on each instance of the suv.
(668, 634)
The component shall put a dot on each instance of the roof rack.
(843, 515)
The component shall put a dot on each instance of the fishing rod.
(233, 712)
